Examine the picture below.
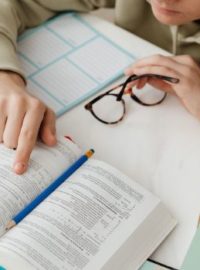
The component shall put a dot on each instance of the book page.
(46, 164)
(66, 60)
(82, 224)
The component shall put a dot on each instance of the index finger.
(26, 141)
(156, 60)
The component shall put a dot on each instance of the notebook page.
(66, 60)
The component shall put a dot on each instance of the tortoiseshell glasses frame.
(123, 87)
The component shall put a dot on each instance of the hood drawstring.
(174, 31)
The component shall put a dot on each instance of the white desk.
(157, 146)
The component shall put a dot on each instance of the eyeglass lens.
(108, 109)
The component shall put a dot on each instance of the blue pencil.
(45, 193)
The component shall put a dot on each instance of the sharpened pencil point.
(10, 225)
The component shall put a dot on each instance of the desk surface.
(158, 146)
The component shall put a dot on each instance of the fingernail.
(19, 167)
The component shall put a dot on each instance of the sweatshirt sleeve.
(16, 16)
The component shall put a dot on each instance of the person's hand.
(22, 119)
(182, 67)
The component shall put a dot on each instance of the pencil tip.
(10, 225)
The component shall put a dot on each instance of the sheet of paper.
(82, 223)
(66, 60)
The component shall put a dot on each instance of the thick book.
(98, 219)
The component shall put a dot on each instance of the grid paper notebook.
(66, 61)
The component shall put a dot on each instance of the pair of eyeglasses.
(109, 107)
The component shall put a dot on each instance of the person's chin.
(167, 17)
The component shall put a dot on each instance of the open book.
(98, 219)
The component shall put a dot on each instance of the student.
(170, 24)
